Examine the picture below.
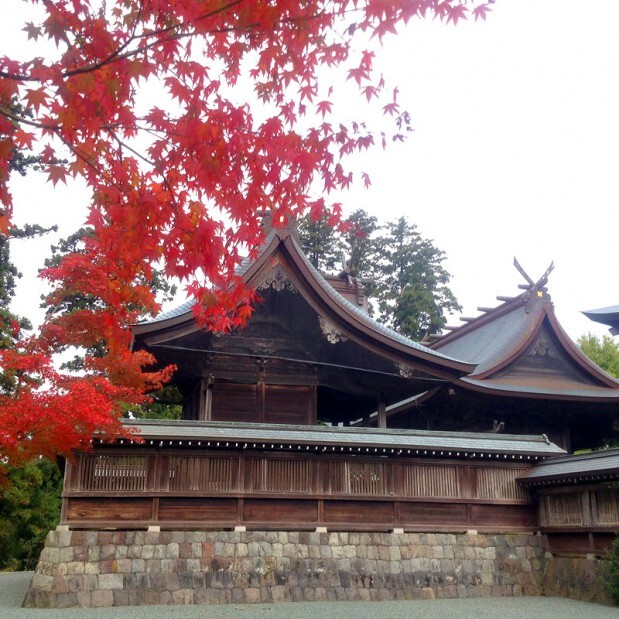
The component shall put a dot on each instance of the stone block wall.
(120, 568)
(579, 578)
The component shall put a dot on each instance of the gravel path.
(13, 587)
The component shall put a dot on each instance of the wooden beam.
(382, 415)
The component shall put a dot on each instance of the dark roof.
(486, 342)
(347, 315)
(337, 439)
(507, 343)
(605, 315)
(588, 467)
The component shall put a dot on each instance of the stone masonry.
(120, 568)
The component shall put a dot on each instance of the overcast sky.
(515, 153)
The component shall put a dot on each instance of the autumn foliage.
(186, 118)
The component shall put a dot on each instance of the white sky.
(515, 153)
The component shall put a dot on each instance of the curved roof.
(606, 316)
(349, 318)
(520, 349)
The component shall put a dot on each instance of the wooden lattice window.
(114, 473)
(275, 475)
(563, 509)
(435, 481)
(198, 473)
(360, 478)
(500, 483)
(607, 503)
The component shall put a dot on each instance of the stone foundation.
(579, 578)
(120, 568)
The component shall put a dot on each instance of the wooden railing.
(182, 488)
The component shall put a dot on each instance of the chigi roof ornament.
(531, 285)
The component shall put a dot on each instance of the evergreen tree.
(411, 282)
(408, 284)
(604, 352)
(320, 242)
(10, 323)
(30, 507)
(360, 243)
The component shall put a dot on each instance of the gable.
(545, 361)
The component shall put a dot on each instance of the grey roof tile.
(424, 441)
(363, 317)
(604, 463)
(489, 343)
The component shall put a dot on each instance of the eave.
(369, 441)
(593, 467)
(281, 248)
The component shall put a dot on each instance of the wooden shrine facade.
(308, 354)
(578, 501)
(213, 476)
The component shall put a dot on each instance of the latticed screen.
(201, 474)
(438, 481)
(499, 483)
(282, 475)
(360, 478)
(607, 503)
(113, 473)
(563, 509)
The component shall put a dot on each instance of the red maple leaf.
(181, 186)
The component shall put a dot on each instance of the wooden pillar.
(382, 415)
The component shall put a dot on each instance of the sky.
(515, 152)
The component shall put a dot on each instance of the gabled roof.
(282, 250)
(520, 349)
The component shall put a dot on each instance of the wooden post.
(382, 415)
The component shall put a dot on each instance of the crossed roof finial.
(540, 283)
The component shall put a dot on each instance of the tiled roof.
(593, 466)
(605, 315)
(361, 440)
(491, 342)
(357, 312)
(544, 386)
(173, 313)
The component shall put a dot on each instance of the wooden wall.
(580, 519)
(137, 487)
(257, 402)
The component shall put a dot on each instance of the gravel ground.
(13, 587)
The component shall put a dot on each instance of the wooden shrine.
(315, 415)
(529, 378)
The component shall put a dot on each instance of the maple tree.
(177, 184)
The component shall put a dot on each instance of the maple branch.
(118, 55)
(22, 119)
(129, 148)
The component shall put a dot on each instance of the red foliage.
(181, 183)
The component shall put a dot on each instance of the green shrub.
(611, 570)
(29, 508)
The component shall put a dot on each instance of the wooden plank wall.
(182, 489)
(580, 519)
